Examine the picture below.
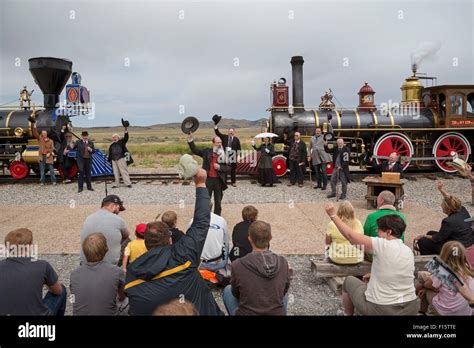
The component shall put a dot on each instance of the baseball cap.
(140, 229)
(113, 199)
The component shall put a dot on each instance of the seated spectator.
(339, 249)
(22, 277)
(260, 280)
(436, 297)
(176, 265)
(385, 206)
(240, 234)
(112, 226)
(96, 284)
(176, 307)
(453, 227)
(135, 248)
(215, 254)
(390, 289)
(171, 219)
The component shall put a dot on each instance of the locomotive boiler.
(18, 146)
(429, 127)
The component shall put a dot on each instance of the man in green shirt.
(385, 206)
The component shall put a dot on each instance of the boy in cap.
(135, 248)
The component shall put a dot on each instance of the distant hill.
(224, 123)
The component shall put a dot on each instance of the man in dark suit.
(84, 150)
(297, 156)
(215, 163)
(340, 160)
(391, 165)
(232, 146)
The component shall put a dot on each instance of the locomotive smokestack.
(297, 73)
(51, 75)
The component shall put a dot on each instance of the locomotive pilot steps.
(18, 146)
(428, 128)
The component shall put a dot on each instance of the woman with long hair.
(436, 297)
(339, 249)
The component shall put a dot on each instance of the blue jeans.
(42, 166)
(231, 302)
(55, 303)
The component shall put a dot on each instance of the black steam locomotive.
(18, 147)
(428, 128)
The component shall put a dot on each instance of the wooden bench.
(334, 274)
(375, 185)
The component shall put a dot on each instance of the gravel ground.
(307, 295)
(422, 191)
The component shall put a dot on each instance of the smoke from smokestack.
(425, 50)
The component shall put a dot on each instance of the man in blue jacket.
(170, 271)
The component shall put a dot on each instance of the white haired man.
(120, 158)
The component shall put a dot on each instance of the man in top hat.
(120, 158)
(84, 149)
(231, 145)
(112, 226)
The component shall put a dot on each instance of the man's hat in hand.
(216, 118)
(125, 123)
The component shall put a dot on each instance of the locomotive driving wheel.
(394, 142)
(329, 168)
(448, 146)
(279, 165)
(73, 170)
(19, 169)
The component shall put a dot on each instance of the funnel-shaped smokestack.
(297, 72)
(51, 75)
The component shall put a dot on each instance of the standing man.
(232, 146)
(65, 162)
(120, 158)
(340, 160)
(320, 159)
(216, 165)
(297, 160)
(391, 165)
(45, 153)
(85, 149)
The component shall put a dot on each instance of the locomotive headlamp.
(19, 131)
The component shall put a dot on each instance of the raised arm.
(352, 236)
(193, 147)
(442, 189)
(125, 136)
(191, 244)
(218, 132)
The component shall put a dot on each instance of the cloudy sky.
(147, 60)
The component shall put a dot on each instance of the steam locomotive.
(18, 146)
(428, 128)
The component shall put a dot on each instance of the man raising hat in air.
(120, 158)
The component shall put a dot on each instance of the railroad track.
(134, 177)
(174, 177)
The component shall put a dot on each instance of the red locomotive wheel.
(73, 170)
(449, 145)
(279, 165)
(329, 168)
(19, 169)
(394, 142)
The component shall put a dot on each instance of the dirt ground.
(297, 228)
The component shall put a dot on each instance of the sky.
(160, 61)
